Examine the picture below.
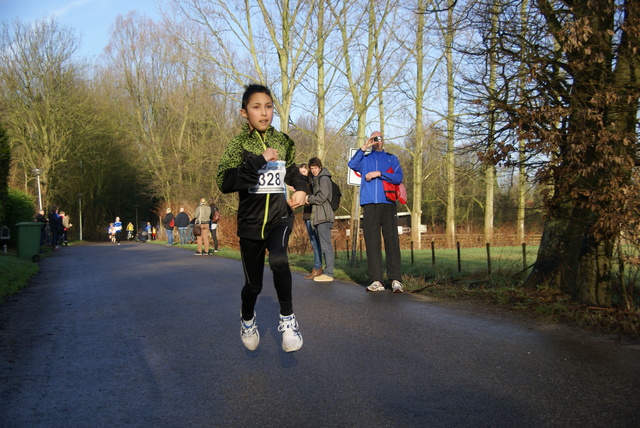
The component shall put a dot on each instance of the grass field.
(473, 262)
(15, 274)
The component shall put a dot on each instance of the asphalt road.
(142, 335)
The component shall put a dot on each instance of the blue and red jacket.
(372, 192)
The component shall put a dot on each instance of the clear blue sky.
(91, 19)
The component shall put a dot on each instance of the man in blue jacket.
(378, 212)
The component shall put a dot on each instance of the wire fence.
(489, 259)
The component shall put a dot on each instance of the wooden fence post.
(348, 257)
(433, 253)
(411, 253)
(488, 245)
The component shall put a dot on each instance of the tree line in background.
(494, 107)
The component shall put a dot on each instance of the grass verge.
(15, 273)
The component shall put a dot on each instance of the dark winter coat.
(320, 199)
(238, 172)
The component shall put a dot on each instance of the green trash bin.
(29, 240)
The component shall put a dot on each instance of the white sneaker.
(291, 337)
(249, 333)
(323, 278)
(396, 286)
(375, 286)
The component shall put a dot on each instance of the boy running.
(258, 164)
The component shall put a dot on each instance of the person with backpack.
(322, 216)
(379, 213)
(66, 225)
(169, 223)
(316, 270)
(202, 217)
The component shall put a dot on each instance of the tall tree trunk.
(450, 155)
(572, 260)
(416, 205)
(490, 169)
(320, 123)
(522, 170)
(596, 152)
(522, 196)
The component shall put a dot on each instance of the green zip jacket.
(238, 172)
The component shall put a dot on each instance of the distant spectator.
(182, 223)
(214, 225)
(202, 216)
(40, 218)
(66, 225)
(168, 219)
(55, 223)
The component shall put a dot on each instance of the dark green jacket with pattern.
(238, 172)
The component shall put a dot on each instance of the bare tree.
(370, 22)
(490, 169)
(416, 214)
(42, 98)
(322, 32)
(172, 115)
(239, 49)
(426, 64)
(329, 137)
(449, 32)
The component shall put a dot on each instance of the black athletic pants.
(383, 217)
(253, 254)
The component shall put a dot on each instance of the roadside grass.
(444, 281)
(16, 273)
(419, 264)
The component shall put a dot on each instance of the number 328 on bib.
(271, 178)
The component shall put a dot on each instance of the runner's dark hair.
(251, 89)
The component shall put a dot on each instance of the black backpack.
(335, 196)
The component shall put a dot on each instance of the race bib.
(271, 178)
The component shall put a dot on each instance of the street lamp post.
(37, 172)
(80, 213)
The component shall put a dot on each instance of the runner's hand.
(270, 155)
(297, 199)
